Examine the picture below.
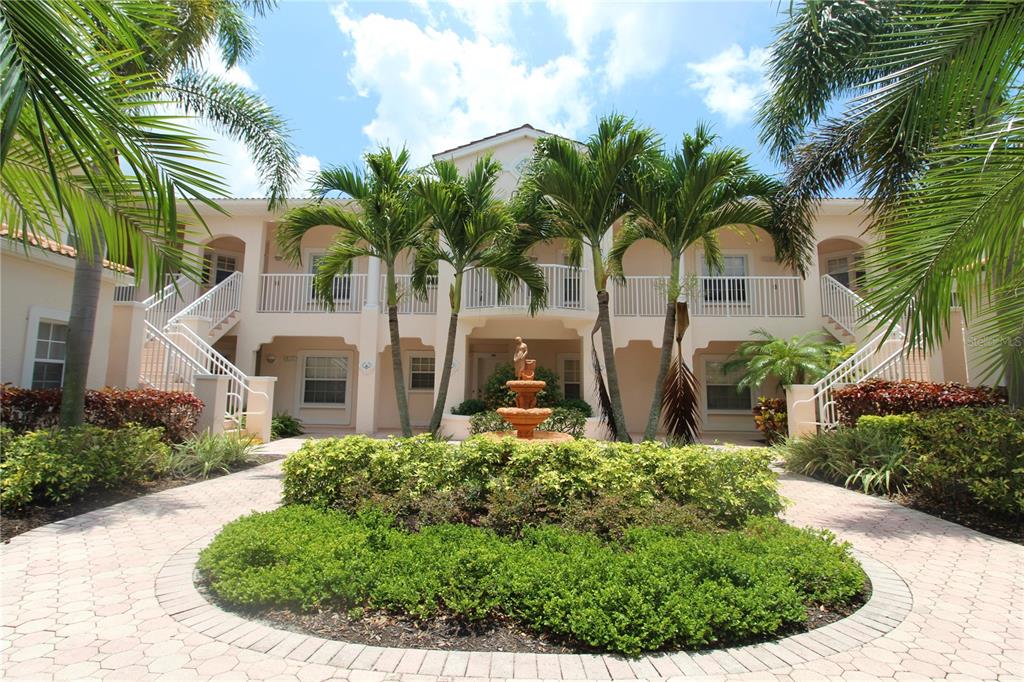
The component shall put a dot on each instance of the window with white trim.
(731, 285)
(421, 373)
(721, 389)
(572, 377)
(324, 380)
(51, 350)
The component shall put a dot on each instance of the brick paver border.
(886, 608)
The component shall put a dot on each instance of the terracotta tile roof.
(47, 244)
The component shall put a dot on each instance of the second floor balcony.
(712, 296)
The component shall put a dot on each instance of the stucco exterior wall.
(421, 402)
(43, 282)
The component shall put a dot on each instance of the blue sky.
(351, 75)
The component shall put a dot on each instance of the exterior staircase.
(182, 323)
(879, 356)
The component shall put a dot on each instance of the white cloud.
(309, 166)
(489, 19)
(437, 89)
(731, 81)
(212, 62)
(640, 35)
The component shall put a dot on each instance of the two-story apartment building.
(257, 321)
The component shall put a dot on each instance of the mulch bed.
(16, 523)
(387, 630)
(999, 527)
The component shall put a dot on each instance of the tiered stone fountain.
(526, 416)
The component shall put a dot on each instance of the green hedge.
(509, 483)
(58, 465)
(651, 590)
(964, 457)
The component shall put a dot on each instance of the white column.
(212, 389)
(366, 367)
(260, 407)
(373, 284)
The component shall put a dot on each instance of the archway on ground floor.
(553, 345)
(422, 374)
(637, 365)
(723, 406)
(317, 379)
(842, 258)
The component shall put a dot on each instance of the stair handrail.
(162, 305)
(181, 361)
(217, 304)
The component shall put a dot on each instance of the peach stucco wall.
(287, 367)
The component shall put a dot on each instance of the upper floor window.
(224, 267)
(722, 392)
(730, 285)
(51, 350)
(342, 285)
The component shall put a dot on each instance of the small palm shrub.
(205, 454)
(797, 360)
(284, 425)
(54, 466)
(651, 589)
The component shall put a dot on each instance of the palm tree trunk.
(446, 374)
(667, 337)
(604, 319)
(85, 297)
(396, 355)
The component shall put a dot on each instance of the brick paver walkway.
(108, 595)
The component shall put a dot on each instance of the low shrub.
(496, 394)
(579, 405)
(969, 457)
(174, 412)
(562, 420)
(958, 458)
(205, 454)
(770, 419)
(652, 589)
(283, 425)
(59, 465)
(470, 407)
(880, 397)
(418, 476)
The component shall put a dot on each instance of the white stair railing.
(164, 304)
(217, 304)
(881, 357)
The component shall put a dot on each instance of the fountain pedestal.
(526, 416)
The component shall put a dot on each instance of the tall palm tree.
(580, 189)
(686, 199)
(798, 360)
(469, 228)
(383, 219)
(929, 122)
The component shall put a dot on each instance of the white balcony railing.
(288, 293)
(408, 302)
(644, 296)
(568, 289)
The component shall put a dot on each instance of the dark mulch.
(996, 526)
(388, 630)
(22, 521)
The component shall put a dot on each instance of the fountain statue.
(526, 416)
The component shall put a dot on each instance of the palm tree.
(579, 188)
(383, 219)
(686, 199)
(930, 114)
(797, 360)
(469, 228)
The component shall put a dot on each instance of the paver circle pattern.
(110, 595)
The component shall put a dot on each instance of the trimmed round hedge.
(652, 589)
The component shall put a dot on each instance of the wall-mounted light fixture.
(271, 358)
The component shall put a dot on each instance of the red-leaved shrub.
(23, 409)
(880, 397)
(771, 420)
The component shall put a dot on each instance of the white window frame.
(855, 270)
(560, 359)
(37, 314)
(301, 380)
(723, 300)
(708, 410)
(408, 372)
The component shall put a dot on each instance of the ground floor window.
(421, 373)
(722, 392)
(50, 351)
(572, 377)
(324, 380)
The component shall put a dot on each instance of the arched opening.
(223, 256)
(842, 259)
